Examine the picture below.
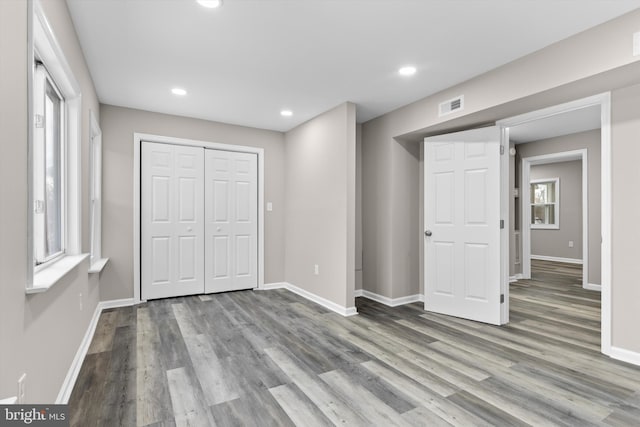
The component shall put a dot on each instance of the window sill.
(98, 265)
(46, 278)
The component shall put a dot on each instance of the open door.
(462, 205)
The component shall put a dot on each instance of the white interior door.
(231, 231)
(172, 220)
(462, 225)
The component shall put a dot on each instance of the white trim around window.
(546, 223)
(44, 48)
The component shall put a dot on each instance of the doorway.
(602, 104)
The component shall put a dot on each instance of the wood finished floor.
(271, 358)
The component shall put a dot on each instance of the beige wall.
(591, 62)
(625, 136)
(40, 334)
(320, 183)
(118, 126)
(590, 141)
(555, 242)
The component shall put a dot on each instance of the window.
(48, 169)
(54, 210)
(545, 203)
(95, 207)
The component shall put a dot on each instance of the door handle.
(428, 233)
(189, 229)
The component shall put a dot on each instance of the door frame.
(137, 144)
(525, 229)
(604, 101)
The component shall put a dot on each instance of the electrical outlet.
(80, 298)
(570, 243)
(22, 388)
(316, 269)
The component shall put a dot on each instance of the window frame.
(42, 46)
(556, 203)
(95, 195)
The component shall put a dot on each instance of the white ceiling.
(248, 60)
(574, 121)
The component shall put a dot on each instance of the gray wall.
(597, 60)
(555, 242)
(41, 333)
(320, 184)
(358, 261)
(118, 127)
(590, 141)
(625, 132)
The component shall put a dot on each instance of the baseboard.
(391, 302)
(268, 286)
(116, 303)
(358, 293)
(593, 287)
(515, 278)
(344, 311)
(76, 364)
(625, 355)
(9, 401)
(557, 259)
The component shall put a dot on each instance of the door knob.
(428, 233)
(189, 229)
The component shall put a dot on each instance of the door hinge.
(501, 224)
(501, 150)
(501, 298)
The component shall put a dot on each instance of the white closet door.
(172, 220)
(231, 230)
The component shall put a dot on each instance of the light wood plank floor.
(271, 358)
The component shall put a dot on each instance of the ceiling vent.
(451, 106)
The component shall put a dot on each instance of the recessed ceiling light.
(407, 70)
(286, 113)
(211, 4)
(178, 91)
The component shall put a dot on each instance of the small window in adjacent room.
(545, 203)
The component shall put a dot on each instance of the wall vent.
(451, 106)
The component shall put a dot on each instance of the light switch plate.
(269, 206)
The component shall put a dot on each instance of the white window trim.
(556, 204)
(95, 196)
(43, 44)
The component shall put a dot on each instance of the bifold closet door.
(172, 220)
(231, 229)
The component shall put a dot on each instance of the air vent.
(451, 106)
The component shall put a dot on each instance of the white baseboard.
(76, 364)
(515, 277)
(625, 355)
(9, 401)
(593, 287)
(557, 259)
(357, 293)
(344, 311)
(391, 302)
